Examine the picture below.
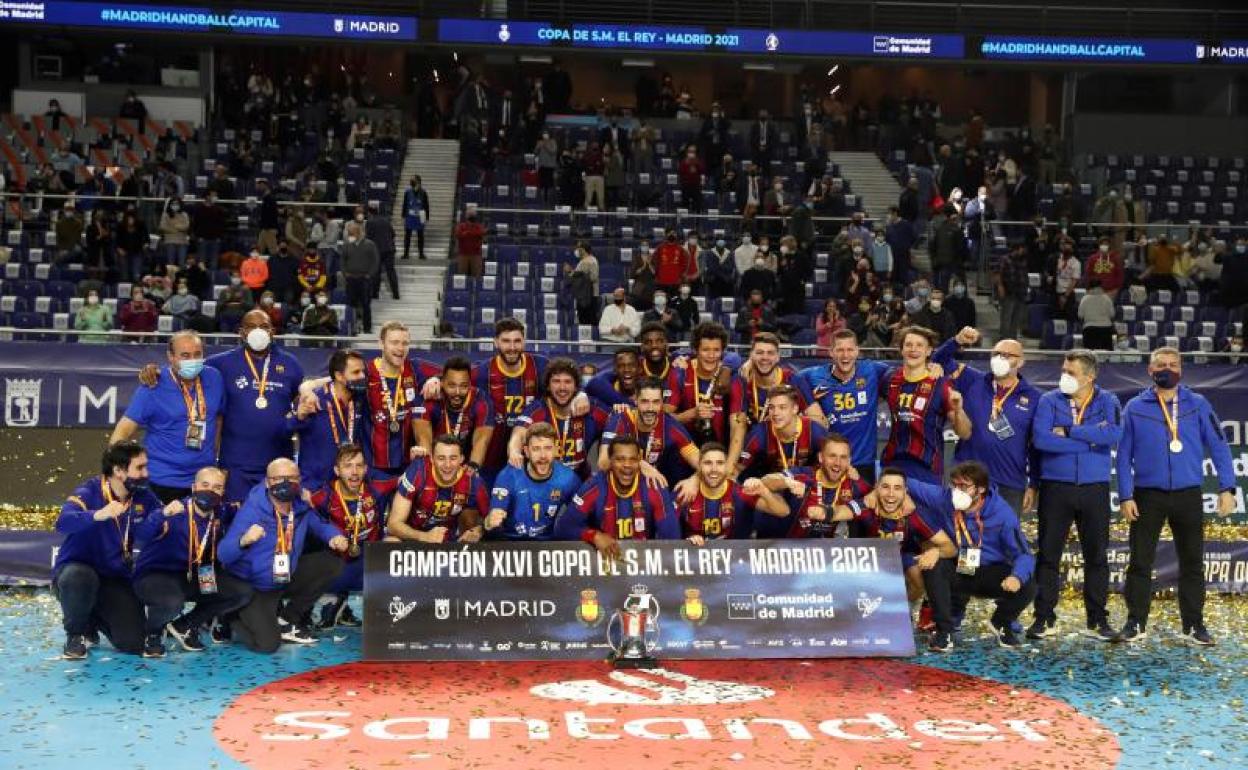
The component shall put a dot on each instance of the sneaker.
(1007, 636)
(75, 647)
(92, 638)
(346, 617)
(220, 633)
(1042, 628)
(1198, 635)
(188, 638)
(154, 645)
(940, 641)
(926, 623)
(1133, 631)
(1102, 631)
(294, 634)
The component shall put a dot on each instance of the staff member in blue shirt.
(847, 392)
(330, 417)
(1002, 407)
(261, 387)
(1167, 430)
(178, 563)
(181, 416)
(994, 560)
(264, 547)
(91, 576)
(1075, 429)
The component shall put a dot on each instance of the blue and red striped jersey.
(824, 493)
(728, 515)
(657, 445)
(437, 505)
(911, 531)
(716, 390)
(575, 434)
(639, 512)
(918, 409)
(360, 518)
(477, 412)
(390, 401)
(509, 394)
(751, 399)
(764, 449)
(672, 378)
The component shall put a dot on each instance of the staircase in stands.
(421, 282)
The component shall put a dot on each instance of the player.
(721, 508)
(708, 382)
(463, 411)
(786, 440)
(526, 501)
(574, 434)
(438, 500)
(330, 417)
(394, 382)
(619, 385)
(816, 491)
(751, 389)
(658, 433)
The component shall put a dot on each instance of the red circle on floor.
(704, 714)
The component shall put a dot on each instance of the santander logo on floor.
(694, 714)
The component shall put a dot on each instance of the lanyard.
(352, 520)
(962, 531)
(787, 461)
(1077, 414)
(459, 421)
(658, 425)
(757, 411)
(999, 399)
(825, 487)
(561, 435)
(263, 376)
(286, 533)
(196, 545)
(395, 402)
(196, 406)
(347, 421)
(1172, 421)
(710, 385)
(125, 535)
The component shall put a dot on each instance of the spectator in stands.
(271, 308)
(1096, 313)
(320, 320)
(594, 170)
(672, 264)
(68, 231)
(689, 174)
(713, 137)
(1137, 213)
(1068, 209)
(94, 316)
(469, 235)
(197, 279)
(255, 271)
(1233, 286)
(758, 278)
(139, 314)
(861, 286)
(415, 216)
(296, 233)
(827, 323)
(1039, 243)
(221, 184)
(361, 134)
(1104, 266)
(776, 203)
(175, 227)
(764, 250)
(620, 322)
(977, 215)
(547, 152)
(54, 114)
(571, 177)
(948, 250)
(208, 227)
(935, 316)
(719, 271)
(360, 262)
(283, 279)
(587, 269)
(100, 255)
(134, 109)
(643, 139)
(1012, 288)
(380, 231)
(642, 273)
(313, 273)
(1110, 208)
(763, 139)
(829, 201)
(900, 238)
(727, 181)
(183, 305)
(686, 306)
(1206, 272)
(664, 315)
(961, 305)
(65, 162)
(269, 220)
(881, 256)
(757, 316)
(613, 175)
(858, 231)
(744, 254)
(234, 302)
(1162, 255)
(791, 276)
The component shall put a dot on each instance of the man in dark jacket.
(948, 249)
(379, 230)
(267, 240)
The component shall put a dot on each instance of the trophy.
(638, 623)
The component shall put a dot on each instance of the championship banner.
(557, 600)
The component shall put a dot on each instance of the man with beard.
(753, 385)
(658, 434)
(785, 441)
(574, 434)
(816, 491)
(614, 505)
(526, 501)
(656, 361)
(618, 386)
(330, 417)
(438, 501)
(721, 508)
(707, 385)
(463, 411)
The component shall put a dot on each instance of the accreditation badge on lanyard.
(281, 557)
(969, 551)
(196, 412)
(205, 573)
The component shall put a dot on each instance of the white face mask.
(935, 305)
(660, 302)
(961, 500)
(258, 340)
(1067, 384)
(93, 300)
(1236, 347)
(1000, 366)
(1104, 248)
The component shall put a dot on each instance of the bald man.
(1001, 405)
(264, 547)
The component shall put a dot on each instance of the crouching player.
(721, 508)
(526, 501)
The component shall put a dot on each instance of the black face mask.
(357, 387)
(206, 500)
(285, 491)
(134, 486)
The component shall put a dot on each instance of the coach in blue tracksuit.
(1167, 430)
(1002, 407)
(264, 546)
(1075, 429)
(333, 415)
(994, 560)
(91, 576)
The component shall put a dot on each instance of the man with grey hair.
(1075, 429)
(264, 546)
(360, 262)
(1167, 430)
(181, 417)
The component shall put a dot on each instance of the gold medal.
(262, 403)
(353, 550)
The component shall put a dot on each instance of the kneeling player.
(722, 508)
(526, 501)
(816, 491)
(438, 500)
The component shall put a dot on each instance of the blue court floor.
(1170, 705)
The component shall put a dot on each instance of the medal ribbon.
(285, 534)
(347, 421)
(962, 531)
(561, 435)
(1172, 422)
(196, 405)
(352, 520)
(658, 425)
(459, 421)
(125, 535)
(262, 378)
(786, 461)
(999, 399)
(195, 545)
(393, 403)
(1077, 415)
